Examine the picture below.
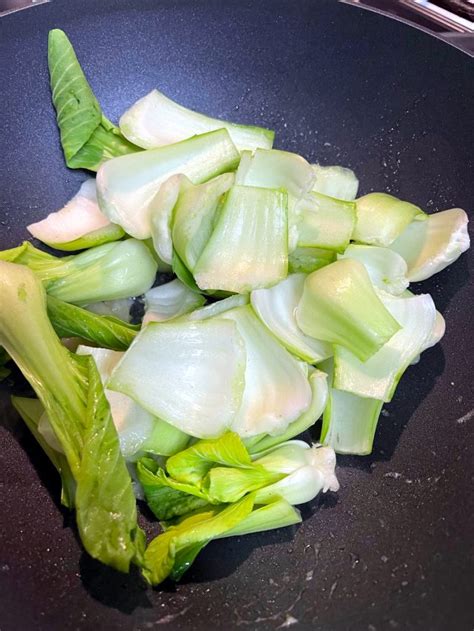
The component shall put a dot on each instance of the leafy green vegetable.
(270, 369)
(104, 331)
(189, 374)
(165, 497)
(87, 137)
(378, 376)
(156, 120)
(217, 308)
(278, 514)
(305, 472)
(195, 214)
(79, 225)
(319, 389)
(349, 421)
(107, 272)
(430, 246)
(4, 359)
(249, 244)
(126, 186)
(381, 218)
(70, 390)
(275, 306)
(339, 305)
(307, 260)
(325, 222)
(282, 170)
(387, 269)
(170, 301)
(335, 181)
(171, 553)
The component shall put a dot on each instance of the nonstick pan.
(393, 549)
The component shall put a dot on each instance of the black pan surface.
(393, 549)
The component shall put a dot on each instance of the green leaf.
(87, 137)
(229, 484)
(166, 497)
(71, 392)
(104, 331)
(193, 464)
(172, 552)
(4, 359)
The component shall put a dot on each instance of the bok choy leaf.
(70, 390)
(87, 136)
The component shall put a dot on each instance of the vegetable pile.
(290, 303)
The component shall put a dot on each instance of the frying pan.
(393, 549)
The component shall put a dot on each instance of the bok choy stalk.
(325, 222)
(79, 225)
(222, 471)
(349, 421)
(126, 186)
(69, 388)
(156, 120)
(381, 218)
(275, 306)
(87, 136)
(217, 308)
(170, 301)
(194, 216)
(269, 369)
(335, 181)
(339, 305)
(283, 170)
(378, 376)
(319, 390)
(107, 272)
(189, 374)
(430, 246)
(307, 260)
(387, 269)
(105, 331)
(248, 247)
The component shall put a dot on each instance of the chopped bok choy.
(156, 120)
(339, 305)
(79, 225)
(291, 304)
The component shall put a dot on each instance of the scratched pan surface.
(393, 550)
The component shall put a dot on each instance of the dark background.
(393, 549)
